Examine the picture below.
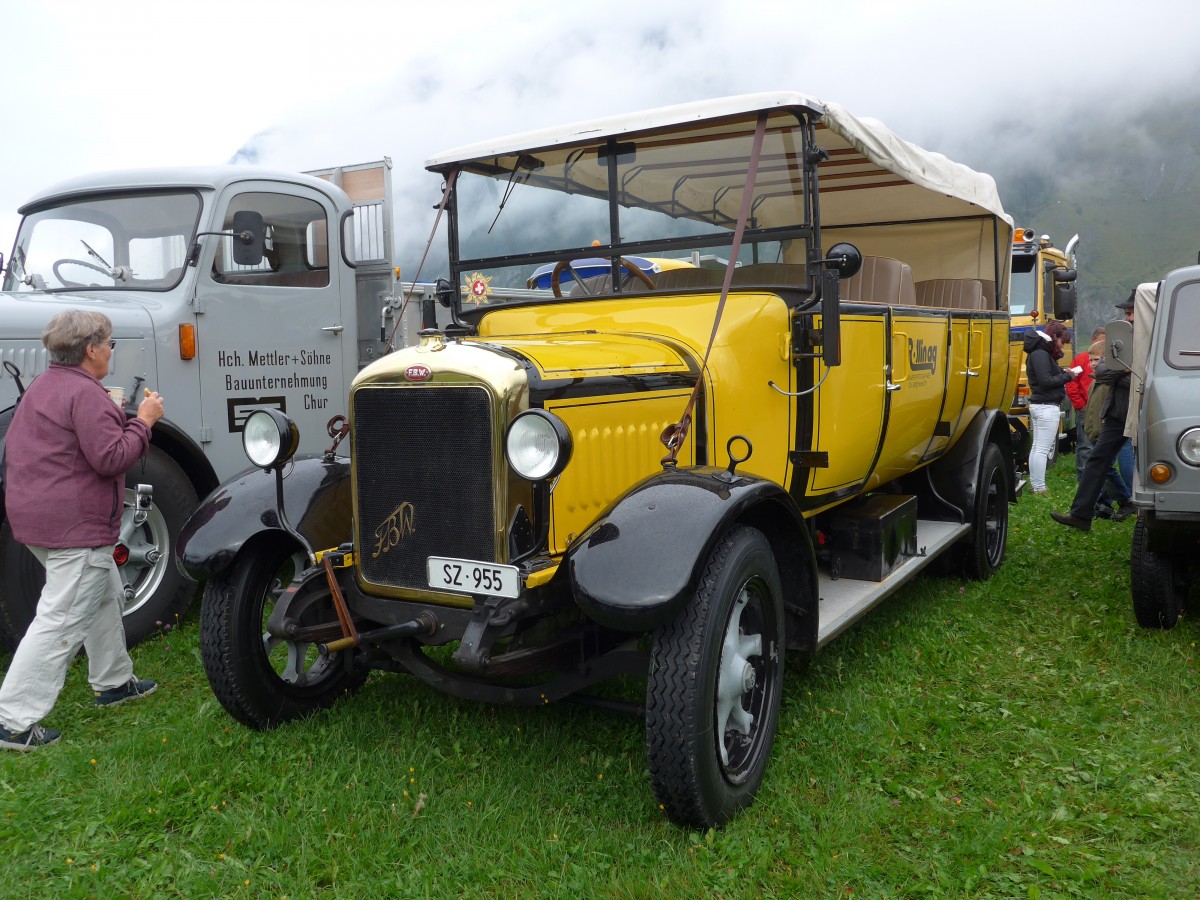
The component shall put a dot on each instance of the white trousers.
(80, 605)
(1043, 419)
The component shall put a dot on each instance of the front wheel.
(262, 680)
(1156, 579)
(712, 695)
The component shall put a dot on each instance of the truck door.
(270, 334)
(849, 411)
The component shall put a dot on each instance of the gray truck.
(169, 256)
(1163, 352)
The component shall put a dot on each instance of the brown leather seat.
(678, 279)
(782, 274)
(881, 280)
(951, 293)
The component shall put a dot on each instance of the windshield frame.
(798, 171)
(93, 202)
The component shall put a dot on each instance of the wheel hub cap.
(736, 677)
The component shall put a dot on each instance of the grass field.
(1015, 738)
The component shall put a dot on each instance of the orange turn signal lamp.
(1160, 473)
(187, 341)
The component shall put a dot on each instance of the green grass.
(1016, 738)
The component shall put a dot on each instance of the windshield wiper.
(92, 252)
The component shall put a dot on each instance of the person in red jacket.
(68, 449)
(1078, 392)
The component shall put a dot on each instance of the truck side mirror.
(248, 237)
(1118, 345)
(1064, 293)
(846, 259)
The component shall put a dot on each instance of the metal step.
(846, 600)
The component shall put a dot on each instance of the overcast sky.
(305, 84)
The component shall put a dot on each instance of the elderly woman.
(68, 449)
(1047, 390)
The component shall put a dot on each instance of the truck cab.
(650, 466)
(1043, 289)
(217, 330)
(1162, 349)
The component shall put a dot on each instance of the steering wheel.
(565, 266)
(78, 262)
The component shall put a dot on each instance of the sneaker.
(30, 739)
(1124, 511)
(1071, 521)
(129, 691)
(1103, 512)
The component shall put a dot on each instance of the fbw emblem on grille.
(417, 373)
(395, 528)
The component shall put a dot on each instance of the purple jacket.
(69, 447)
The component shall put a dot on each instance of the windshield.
(133, 241)
(528, 222)
(1022, 298)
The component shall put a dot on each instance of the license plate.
(469, 576)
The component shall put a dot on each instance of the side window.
(1183, 328)
(297, 243)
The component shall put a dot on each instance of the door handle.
(893, 387)
(334, 329)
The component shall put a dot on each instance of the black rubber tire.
(1157, 582)
(163, 593)
(247, 672)
(694, 785)
(981, 553)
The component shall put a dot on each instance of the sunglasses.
(112, 345)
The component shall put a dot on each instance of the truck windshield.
(129, 242)
(1022, 297)
(661, 202)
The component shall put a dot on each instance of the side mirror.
(248, 237)
(1118, 345)
(846, 259)
(1064, 293)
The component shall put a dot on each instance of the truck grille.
(423, 480)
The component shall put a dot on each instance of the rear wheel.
(157, 592)
(712, 695)
(1157, 581)
(981, 554)
(262, 680)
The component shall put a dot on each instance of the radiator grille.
(423, 480)
(29, 358)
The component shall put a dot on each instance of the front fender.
(316, 497)
(640, 561)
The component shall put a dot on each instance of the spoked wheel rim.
(746, 680)
(296, 663)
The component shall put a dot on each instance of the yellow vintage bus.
(681, 471)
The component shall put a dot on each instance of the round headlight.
(269, 438)
(538, 445)
(1189, 446)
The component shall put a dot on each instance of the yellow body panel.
(616, 442)
(748, 405)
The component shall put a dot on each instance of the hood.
(23, 318)
(1035, 339)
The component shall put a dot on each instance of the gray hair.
(69, 333)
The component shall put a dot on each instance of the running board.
(846, 600)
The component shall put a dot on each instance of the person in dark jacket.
(68, 449)
(1108, 445)
(1047, 391)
